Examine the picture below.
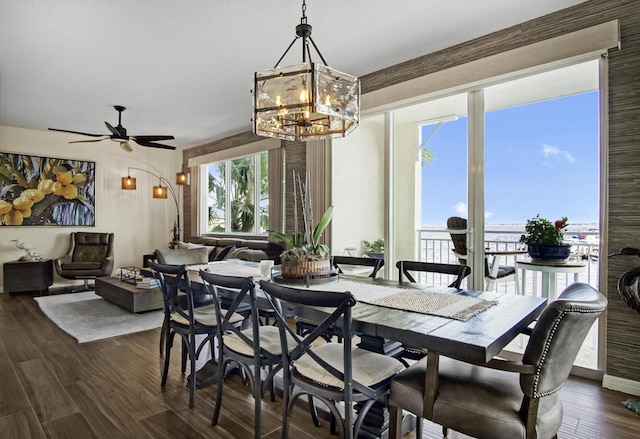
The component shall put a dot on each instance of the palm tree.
(241, 197)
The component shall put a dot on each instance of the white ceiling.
(185, 68)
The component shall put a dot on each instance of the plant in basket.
(304, 251)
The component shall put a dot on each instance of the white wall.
(358, 185)
(407, 197)
(140, 222)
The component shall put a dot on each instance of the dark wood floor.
(52, 387)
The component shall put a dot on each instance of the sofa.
(246, 249)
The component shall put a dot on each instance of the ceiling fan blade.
(113, 130)
(95, 140)
(125, 145)
(77, 132)
(153, 145)
(152, 138)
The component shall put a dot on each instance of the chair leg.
(167, 357)
(185, 349)
(192, 365)
(221, 373)
(313, 411)
(257, 399)
(395, 423)
(163, 336)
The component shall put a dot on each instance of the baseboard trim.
(621, 384)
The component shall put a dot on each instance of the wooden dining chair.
(493, 271)
(305, 326)
(375, 264)
(334, 373)
(502, 399)
(252, 349)
(187, 322)
(457, 271)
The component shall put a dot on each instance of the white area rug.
(88, 317)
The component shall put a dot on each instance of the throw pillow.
(224, 252)
(247, 254)
(186, 256)
(233, 254)
(190, 245)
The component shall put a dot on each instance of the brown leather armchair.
(89, 255)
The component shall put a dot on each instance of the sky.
(539, 158)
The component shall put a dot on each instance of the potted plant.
(304, 251)
(374, 249)
(544, 239)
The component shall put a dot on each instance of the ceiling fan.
(119, 134)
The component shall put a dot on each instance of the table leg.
(545, 285)
(553, 282)
(376, 422)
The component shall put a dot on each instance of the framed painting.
(46, 191)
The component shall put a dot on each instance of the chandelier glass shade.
(305, 101)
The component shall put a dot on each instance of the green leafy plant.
(542, 231)
(304, 245)
(376, 246)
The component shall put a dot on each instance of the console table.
(22, 276)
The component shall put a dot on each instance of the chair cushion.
(369, 368)
(81, 265)
(205, 315)
(473, 400)
(269, 341)
(504, 271)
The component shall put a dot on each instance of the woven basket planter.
(299, 269)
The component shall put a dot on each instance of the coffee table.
(127, 295)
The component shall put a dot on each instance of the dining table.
(385, 316)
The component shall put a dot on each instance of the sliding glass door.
(494, 155)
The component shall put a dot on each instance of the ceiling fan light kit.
(119, 134)
(306, 101)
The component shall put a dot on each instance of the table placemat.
(438, 301)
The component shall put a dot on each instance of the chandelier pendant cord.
(303, 30)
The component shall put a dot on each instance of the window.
(238, 196)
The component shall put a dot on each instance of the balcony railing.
(436, 246)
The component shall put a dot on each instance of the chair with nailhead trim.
(502, 399)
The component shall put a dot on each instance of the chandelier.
(306, 101)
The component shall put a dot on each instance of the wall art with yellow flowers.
(45, 191)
